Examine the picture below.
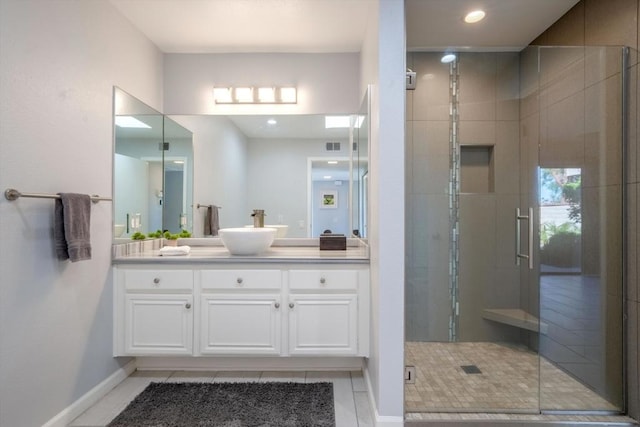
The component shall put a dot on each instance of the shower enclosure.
(514, 272)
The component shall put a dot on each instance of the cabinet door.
(158, 324)
(323, 324)
(240, 324)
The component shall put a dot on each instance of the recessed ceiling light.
(272, 122)
(336, 122)
(332, 162)
(130, 122)
(474, 16)
(327, 177)
(179, 162)
(448, 57)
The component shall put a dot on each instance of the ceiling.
(223, 26)
(510, 25)
(309, 126)
(245, 26)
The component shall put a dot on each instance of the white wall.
(336, 220)
(131, 183)
(326, 82)
(278, 179)
(220, 174)
(383, 62)
(60, 60)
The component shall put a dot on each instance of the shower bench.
(515, 317)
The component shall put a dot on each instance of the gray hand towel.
(71, 227)
(211, 221)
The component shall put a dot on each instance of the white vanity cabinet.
(257, 309)
(154, 312)
(323, 312)
(240, 312)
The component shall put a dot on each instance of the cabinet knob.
(156, 280)
(239, 280)
(187, 306)
(323, 280)
(276, 305)
(291, 305)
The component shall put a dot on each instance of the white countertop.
(275, 254)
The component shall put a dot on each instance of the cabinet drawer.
(241, 279)
(163, 280)
(323, 279)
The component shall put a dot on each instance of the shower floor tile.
(508, 382)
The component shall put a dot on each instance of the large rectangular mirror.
(282, 164)
(360, 170)
(153, 170)
(307, 172)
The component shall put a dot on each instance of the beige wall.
(615, 22)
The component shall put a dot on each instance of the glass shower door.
(577, 199)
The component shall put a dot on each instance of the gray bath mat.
(230, 405)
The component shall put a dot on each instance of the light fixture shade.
(266, 94)
(288, 95)
(243, 94)
(222, 95)
(254, 95)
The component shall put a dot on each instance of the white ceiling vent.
(332, 146)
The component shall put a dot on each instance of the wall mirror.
(152, 169)
(360, 170)
(307, 172)
(282, 164)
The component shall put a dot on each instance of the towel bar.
(207, 206)
(12, 194)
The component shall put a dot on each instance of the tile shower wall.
(615, 22)
(489, 114)
(427, 212)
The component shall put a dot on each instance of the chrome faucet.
(258, 218)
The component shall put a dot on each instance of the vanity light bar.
(255, 95)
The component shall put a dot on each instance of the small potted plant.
(155, 234)
(170, 239)
(138, 236)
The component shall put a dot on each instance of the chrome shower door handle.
(530, 238)
(529, 219)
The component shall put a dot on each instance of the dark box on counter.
(333, 242)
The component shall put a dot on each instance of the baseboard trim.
(379, 420)
(90, 398)
(249, 363)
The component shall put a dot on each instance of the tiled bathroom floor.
(508, 382)
(351, 401)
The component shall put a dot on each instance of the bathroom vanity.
(290, 301)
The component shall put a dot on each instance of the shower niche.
(477, 169)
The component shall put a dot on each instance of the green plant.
(548, 230)
(167, 235)
(138, 236)
(155, 234)
(563, 249)
(185, 234)
(572, 193)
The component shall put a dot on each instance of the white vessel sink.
(247, 241)
(118, 229)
